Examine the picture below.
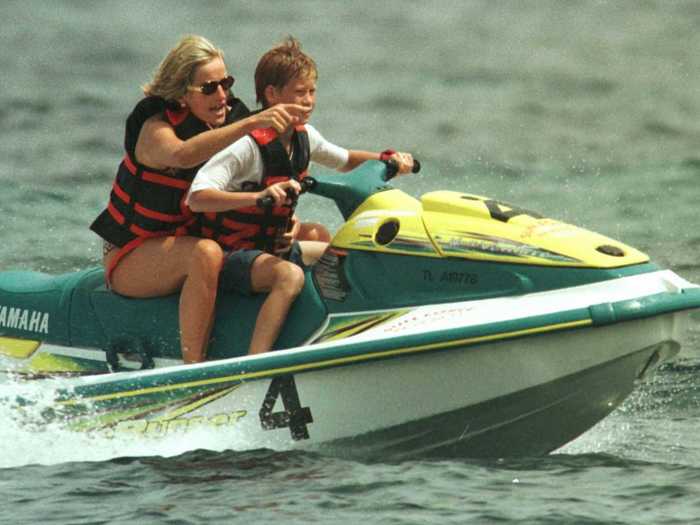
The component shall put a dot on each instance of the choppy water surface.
(584, 111)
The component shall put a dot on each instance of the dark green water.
(584, 111)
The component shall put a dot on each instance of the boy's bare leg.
(284, 281)
(162, 266)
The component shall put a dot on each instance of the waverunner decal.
(411, 244)
(23, 319)
(153, 415)
(163, 427)
(177, 412)
(487, 244)
(176, 420)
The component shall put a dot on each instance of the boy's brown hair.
(280, 65)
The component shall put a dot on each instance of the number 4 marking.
(294, 416)
(504, 212)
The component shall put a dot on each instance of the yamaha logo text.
(23, 319)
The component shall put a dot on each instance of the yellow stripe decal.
(192, 406)
(17, 348)
(334, 362)
(48, 363)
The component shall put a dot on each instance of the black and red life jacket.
(146, 202)
(252, 226)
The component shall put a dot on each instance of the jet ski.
(450, 325)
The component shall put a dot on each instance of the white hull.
(395, 407)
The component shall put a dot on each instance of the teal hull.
(77, 310)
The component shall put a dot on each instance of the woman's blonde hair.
(178, 68)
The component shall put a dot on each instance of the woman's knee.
(314, 232)
(207, 257)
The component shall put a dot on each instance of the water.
(584, 111)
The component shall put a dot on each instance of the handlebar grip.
(306, 184)
(265, 202)
(392, 169)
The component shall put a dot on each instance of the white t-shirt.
(242, 162)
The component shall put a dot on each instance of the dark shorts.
(236, 272)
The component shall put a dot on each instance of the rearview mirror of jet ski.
(451, 324)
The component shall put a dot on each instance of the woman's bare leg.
(312, 231)
(284, 281)
(165, 265)
(198, 300)
(314, 238)
(312, 251)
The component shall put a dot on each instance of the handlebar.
(392, 168)
(308, 183)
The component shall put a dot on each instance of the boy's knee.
(290, 277)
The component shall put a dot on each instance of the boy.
(268, 164)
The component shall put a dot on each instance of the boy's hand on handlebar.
(278, 192)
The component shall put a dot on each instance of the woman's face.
(208, 108)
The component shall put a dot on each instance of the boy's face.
(299, 90)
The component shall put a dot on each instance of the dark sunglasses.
(209, 88)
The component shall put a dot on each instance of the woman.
(150, 247)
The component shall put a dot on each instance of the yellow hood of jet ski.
(461, 225)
